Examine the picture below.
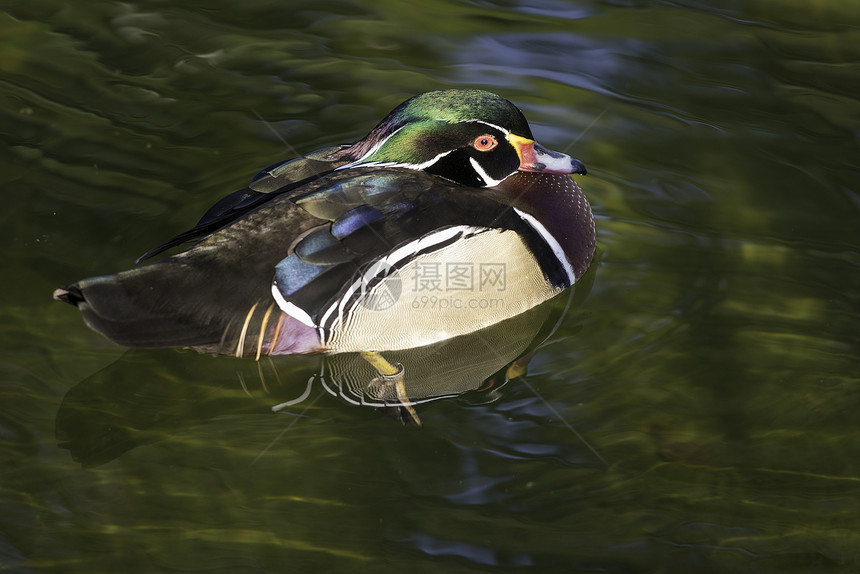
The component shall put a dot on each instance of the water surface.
(694, 411)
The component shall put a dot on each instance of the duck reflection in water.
(148, 395)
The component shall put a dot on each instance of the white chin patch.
(488, 181)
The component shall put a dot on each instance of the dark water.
(712, 366)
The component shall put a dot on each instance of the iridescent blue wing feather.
(373, 213)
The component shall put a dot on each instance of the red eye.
(485, 142)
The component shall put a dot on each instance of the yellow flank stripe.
(263, 329)
(240, 348)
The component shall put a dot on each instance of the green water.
(712, 365)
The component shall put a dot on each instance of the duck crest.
(445, 106)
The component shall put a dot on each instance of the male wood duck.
(446, 218)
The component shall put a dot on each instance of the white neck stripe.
(551, 242)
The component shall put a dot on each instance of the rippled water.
(694, 411)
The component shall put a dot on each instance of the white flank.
(328, 322)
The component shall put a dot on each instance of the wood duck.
(446, 218)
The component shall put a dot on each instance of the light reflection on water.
(713, 363)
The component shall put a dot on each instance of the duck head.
(473, 137)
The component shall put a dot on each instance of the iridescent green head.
(469, 136)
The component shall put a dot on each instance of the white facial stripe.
(379, 144)
(551, 242)
(415, 166)
(494, 126)
(360, 162)
(488, 181)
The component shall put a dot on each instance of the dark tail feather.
(69, 294)
(139, 309)
(166, 304)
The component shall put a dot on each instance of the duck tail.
(127, 309)
(157, 306)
